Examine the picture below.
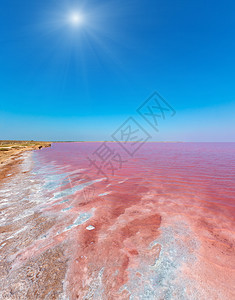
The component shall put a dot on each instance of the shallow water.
(158, 225)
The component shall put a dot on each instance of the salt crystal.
(90, 227)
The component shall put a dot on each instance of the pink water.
(161, 227)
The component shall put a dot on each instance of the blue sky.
(59, 81)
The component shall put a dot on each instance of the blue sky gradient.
(61, 82)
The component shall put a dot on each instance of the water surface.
(160, 227)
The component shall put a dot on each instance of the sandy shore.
(10, 152)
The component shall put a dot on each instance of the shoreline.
(10, 155)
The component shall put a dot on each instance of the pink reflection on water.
(179, 196)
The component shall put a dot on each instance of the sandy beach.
(10, 154)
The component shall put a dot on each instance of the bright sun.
(76, 18)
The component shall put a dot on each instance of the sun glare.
(76, 18)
